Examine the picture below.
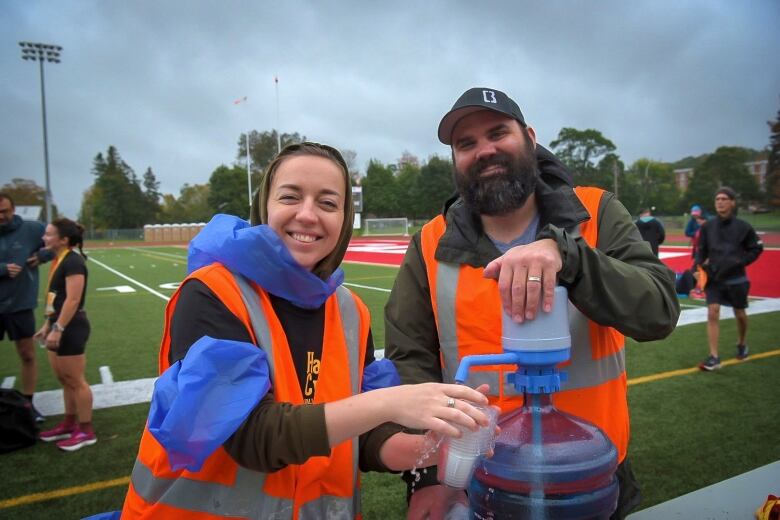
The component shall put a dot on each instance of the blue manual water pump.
(546, 463)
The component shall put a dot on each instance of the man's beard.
(499, 193)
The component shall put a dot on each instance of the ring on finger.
(534, 278)
(450, 402)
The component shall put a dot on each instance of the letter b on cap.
(489, 96)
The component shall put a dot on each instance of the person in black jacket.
(651, 229)
(726, 245)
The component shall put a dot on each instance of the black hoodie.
(729, 244)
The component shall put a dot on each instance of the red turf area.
(764, 282)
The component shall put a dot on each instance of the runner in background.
(726, 246)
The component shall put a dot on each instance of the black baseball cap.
(473, 100)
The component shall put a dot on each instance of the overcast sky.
(157, 79)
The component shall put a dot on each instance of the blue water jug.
(547, 464)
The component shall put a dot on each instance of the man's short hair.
(725, 190)
(4, 195)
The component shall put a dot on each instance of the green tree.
(191, 206)
(152, 195)
(26, 192)
(725, 167)
(380, 195)
(87, 211)
(434, 186)
(653, 186)
(773, 168)
(580, 150)
(407, 180)
(118, 202)
(262, 149)
(228, 191)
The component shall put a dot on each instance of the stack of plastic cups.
(458, 457)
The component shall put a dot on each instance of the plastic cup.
(457, 457)
(455, 469)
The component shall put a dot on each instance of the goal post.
(386, 227)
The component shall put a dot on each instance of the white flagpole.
(278, 128)
(248, 172)
(248, 160)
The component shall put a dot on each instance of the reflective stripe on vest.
(584, 371)
(244, 497)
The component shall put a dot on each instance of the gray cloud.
(157, 79)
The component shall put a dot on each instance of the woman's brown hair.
(71, 230)
(259, 213)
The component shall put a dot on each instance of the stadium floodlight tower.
(42, 52)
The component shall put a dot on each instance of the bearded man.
(515, 229)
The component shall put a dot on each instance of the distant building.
(758, 169)
(682, 177)
(30, 212)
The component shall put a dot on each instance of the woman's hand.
(438, 407)
(53, 340)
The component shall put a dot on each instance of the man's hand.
(13, 270)
(524, 274)
(433, 502)
(33, 261)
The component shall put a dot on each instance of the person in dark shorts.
(20, 246)
(726, 245)
(66, 331)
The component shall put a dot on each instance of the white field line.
(370, 288)
(131, 280)
(161, 253)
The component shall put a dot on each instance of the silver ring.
(450, 402)
(534, 278)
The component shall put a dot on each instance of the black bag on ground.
(685, 282)
(17, 423)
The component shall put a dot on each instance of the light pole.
(278, 130)
(41, 52)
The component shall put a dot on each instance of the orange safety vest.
(468, 313)
(322, 487)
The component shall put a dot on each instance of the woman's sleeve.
(274, 435)
(371, 442)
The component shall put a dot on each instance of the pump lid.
(548, 331)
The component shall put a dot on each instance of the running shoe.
(57, 433)
(710, 364)
(78, 440)
(742, 351)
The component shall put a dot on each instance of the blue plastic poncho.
(201, 400)
(381, 373)
(258, 253)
